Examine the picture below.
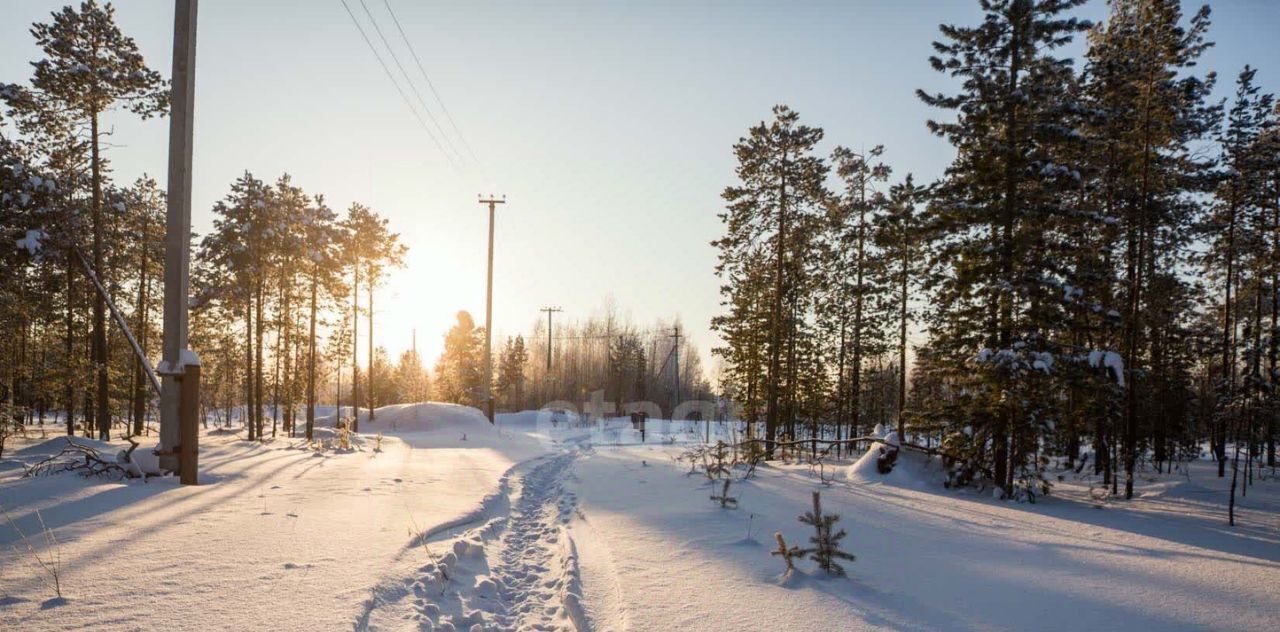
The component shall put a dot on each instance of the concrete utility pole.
(488, 311)
(180, 389)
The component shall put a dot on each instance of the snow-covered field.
(534, 525)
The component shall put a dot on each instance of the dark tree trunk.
(311, 360)
(259, 333)
(775, 328)
(70, 348)
(100, 360)
(372, 403)
(355, 347)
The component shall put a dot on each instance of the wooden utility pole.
(547, 383)
(488, 311)
(549, 311)
(675, 349)
(180, 389)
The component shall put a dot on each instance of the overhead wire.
(400, 90)
(432, 86)
(412, 84)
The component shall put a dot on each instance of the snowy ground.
(555, 526)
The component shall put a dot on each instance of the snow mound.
(909, 470)
(423, 417)
(535, 419)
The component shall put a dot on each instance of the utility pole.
(549, 311)
(546, 383)
(676, 350)
(488, 311)
(180, 390)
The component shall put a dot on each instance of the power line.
(448, 116)
(395, 83)
(412, 84)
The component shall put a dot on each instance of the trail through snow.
(559, 524)
(516, 571)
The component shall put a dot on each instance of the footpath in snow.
(276, 537)
(536, 525)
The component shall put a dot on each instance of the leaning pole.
(179, 367)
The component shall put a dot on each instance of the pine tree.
(788, 553)
(232, 263)
(899, 234)
(372, 248)
(145, 204)
(995, 305)
(320, 236)
(776, 202)
(826, 540)
(90, 65)
(458, 371)
(511, 363)
(857, 287)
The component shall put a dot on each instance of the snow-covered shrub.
(344, 437)
(694, 456)
(826, 540)
(747, 455)
(788, 553)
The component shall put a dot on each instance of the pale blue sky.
(607, 124)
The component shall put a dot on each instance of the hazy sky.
(608, 125)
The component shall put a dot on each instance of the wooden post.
(177, 396)
(189, 419)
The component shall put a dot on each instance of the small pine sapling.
(789, 553)
(693, 456)
(826, 541)
(717, 465)
(726, 501)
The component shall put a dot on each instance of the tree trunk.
(1003, 420)
(775, 332)
(248, 419)
(139, 379)
(856, 385)
(103, 412)
(355, 346)
(260, 330)
(369, 284)
(1228, 346)
(70, 348)
(311, 359)
(275, 386)
(902, 351)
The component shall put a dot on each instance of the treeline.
(1095, 274)
(58, 198)
(277, 264)
(602, 361)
